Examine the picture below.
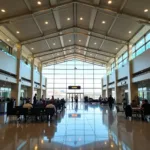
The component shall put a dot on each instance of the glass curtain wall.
(74, 73)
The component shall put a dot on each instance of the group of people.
(75, 98)
(51, 103)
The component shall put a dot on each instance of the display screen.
(74, 87)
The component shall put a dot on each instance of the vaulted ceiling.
(58, 30)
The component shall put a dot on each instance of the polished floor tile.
(79, 127)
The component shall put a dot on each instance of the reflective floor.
(79, 127)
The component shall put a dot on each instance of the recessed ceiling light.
(7, 40)
(95, 43)
(46, 22)
(3, 10)
(39, 2)
(32, 48)
(116, 48)
(69, 40)
(103, 22)
(54, 43)
(68, 19)
(130, 32)
(145, 10)
(79, 40)
(109, 2)
(81, 18)
(17, 32)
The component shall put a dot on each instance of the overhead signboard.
(74, 87)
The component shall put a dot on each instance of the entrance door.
(71, 96)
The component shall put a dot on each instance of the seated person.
(51, 105)
(39, 103)
(145, 108)
(27, 105)
(134, 103)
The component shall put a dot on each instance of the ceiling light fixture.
(79, 40)
(17, 32)
(103, 22)
(7, 40)
(68, 19)
(69, 40)
(95, 43)
(116, 48)
(109, 2)
(130, 32)
(39, 2)
(54, 43)
(32, 48)
(3, 10)
(46, 22)
(145, 10)
(81, 18)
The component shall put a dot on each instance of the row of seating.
(35, 111)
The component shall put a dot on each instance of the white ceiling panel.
(26, 27)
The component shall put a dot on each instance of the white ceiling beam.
(77, 54)
(96, 51)
(114, 21)
(57, 21)
(103, 10)
(50, 36)
(72, 49)
(92, 21)
(36, 22)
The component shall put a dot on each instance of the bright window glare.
(74, 73)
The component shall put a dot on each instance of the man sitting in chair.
(27, 105)
(50, 105)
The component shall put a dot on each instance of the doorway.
(72, 95)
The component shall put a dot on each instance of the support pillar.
(40, 91)
(16, 88)
(107, 84)
(102, 91)
(132, 88)
(30, 90)
(45, 91)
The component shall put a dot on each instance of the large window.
(71, 73)
(122, 60)
(142, 45)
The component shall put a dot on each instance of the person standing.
(110, 101)
(35, 99)
(72, 99)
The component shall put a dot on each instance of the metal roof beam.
(36, 54)
(103, 10)
(72, 49)
(49, 36)
(71, 55)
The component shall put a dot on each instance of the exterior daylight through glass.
(74, 73)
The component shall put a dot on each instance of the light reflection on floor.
(93, 128)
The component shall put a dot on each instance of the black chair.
(49, 112)
(37, 112)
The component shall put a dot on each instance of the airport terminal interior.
(74, 74)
